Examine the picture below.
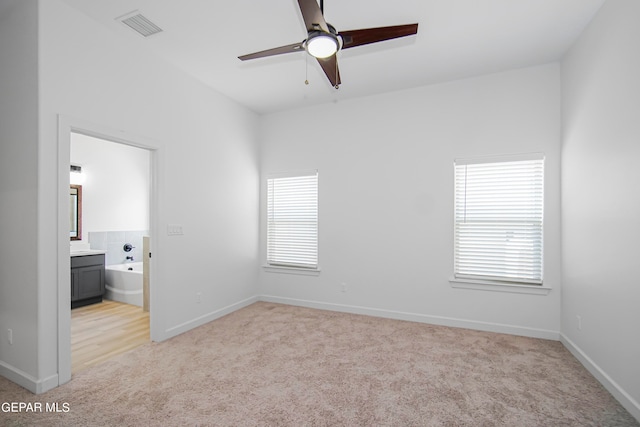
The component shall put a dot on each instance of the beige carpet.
(277, 365)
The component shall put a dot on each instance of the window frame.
(506, 284)
(284, 267)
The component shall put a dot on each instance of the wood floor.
(101, 331)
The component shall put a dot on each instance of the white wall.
(116, 184)
(386, 196)
(207, 169)
(600, 201)
(18, 187)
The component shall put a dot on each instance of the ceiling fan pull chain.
(337, 85)
(306, 70)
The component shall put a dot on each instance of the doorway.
(115, 182)
(70, 129)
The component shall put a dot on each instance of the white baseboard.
(421, 318)
(27, 381)
(199, 321)
(628, 402)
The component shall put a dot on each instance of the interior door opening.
(118, 217)
(109, 281)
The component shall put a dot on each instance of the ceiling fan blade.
(295, 47)
(330, 67)
(353, 38)
(312, 15)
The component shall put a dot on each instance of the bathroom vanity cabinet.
(87, 279)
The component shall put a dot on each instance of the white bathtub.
(123, 283)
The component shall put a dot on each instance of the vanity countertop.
(86, 252)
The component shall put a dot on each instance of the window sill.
(485, 285)
(291, 270)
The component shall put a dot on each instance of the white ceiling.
(456, 39)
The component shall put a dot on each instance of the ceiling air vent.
(139, 23)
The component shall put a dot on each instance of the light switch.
(174, 230)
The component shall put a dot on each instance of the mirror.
(75, 211)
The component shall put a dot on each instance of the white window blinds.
(498, 219)
(292, 221)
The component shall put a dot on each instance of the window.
(292, 221)
(498, 219)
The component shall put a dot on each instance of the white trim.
(291, 270)
(420, 318)
(27, 381)
(64, 251)
(625, 399)
(487, 285)
(291, 174)
(206, 318)
(499, 158)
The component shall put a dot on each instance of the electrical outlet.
(10, 336)
(343, 287)
(199, 297)
(579, 318)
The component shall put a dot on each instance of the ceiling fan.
(323, 41)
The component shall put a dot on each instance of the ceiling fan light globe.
(322, 45)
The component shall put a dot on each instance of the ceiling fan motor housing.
(322, 44)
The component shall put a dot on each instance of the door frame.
(66, 126)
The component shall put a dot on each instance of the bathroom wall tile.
(98, 240)
(115, 253)
(116, 236)
(136, 254)
(113, 242)
(134, 236)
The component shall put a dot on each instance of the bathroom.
(113, 219)
(115, 185)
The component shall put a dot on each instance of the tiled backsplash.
(113, 242)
